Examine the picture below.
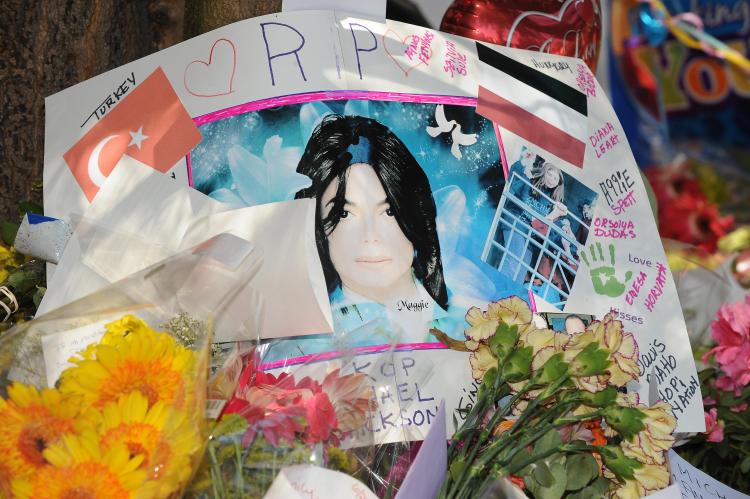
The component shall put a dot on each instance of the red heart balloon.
(565, 27)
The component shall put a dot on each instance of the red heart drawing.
(206, 77)
(401, 50)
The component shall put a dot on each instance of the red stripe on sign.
(530, 127)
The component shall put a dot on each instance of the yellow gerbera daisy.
(116, 330)
(30, 422)
(144, 360)
(79, 468)
(167, 439)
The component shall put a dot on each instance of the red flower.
(672, 181)
(685, 212)
(321, 418)
(694, 220)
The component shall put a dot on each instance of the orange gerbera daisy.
(167, 439)
(30, 422)
(80, 469)
(143, 360)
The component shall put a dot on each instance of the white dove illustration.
(444, 126)
(461, 139)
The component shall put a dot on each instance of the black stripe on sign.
(544, 83)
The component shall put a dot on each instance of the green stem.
(462, 483)
(217, 481)
(559, 423)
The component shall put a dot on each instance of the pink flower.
(739, 407)
(731, 331)
(708, 400)
(714, 428)
(727, 384)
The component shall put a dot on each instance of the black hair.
(406, 186)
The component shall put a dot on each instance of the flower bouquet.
(552, 415)
(274, 421)
(105, 397)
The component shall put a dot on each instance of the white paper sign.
(312, 482)
(671, 492)
(695, 484)
(304, 58)
(59, 347)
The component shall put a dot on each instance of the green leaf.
(627, 421)
(596, 490)
(618, 463)
(552, 370)
(39, 294)
(542, 474)
(745, 465)
(550, 440)
(555, 464)
(581, 469)
(456, 468)
(503, 341)
(518, 364)
(590, 361)
(25, 278)
(489, 378)
(603, 398)
(8, 232)
(30, 207)
(520, 457)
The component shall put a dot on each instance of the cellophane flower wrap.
(318, 413)
(271, 421)
(551, 415)
(105, 397)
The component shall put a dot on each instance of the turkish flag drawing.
(150, 124)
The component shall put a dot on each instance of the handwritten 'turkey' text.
(112, 99)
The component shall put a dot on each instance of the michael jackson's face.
(367, 248)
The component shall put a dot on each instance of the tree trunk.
(49, 45)
(204, 15)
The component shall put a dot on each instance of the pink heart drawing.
(209, 79)
(398, 49)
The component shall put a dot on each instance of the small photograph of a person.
(375, 231)
(567, 323)
(536, 233)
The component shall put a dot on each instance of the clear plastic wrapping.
(353, 409)
(107, 394)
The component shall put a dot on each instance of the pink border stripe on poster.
(317, 357)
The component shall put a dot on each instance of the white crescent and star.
(95, 173)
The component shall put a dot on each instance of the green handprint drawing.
(604, 277)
